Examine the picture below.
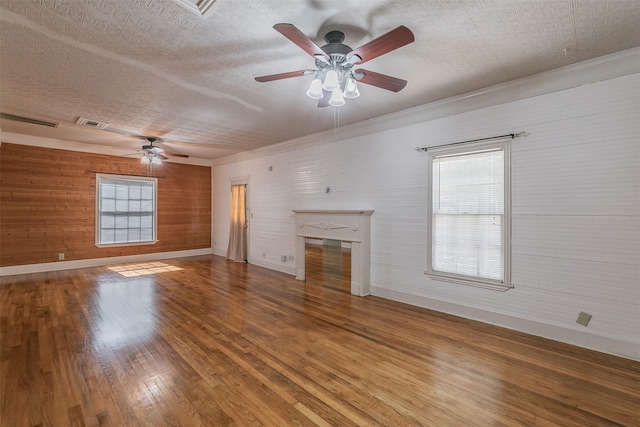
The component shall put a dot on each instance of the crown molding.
(606, 67)
(58, 144)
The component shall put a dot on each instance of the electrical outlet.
(61, 256)
(290, 257)
(283, 258)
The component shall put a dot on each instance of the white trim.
(260, 262)
(239, 180)
(115, 245)
(98, 224)
(601, 344)
(96, 262)
(273, 266)
(602, 68)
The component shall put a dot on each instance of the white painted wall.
(575, 201)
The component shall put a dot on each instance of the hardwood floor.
(217, 343)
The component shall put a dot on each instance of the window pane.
(146, 221)
(122, 221)
(146, 206)
(122, 205)
(107, 236)
(134, 222)
(134, 206)
(108, 205)
(146, 234)
(469, 245)
(108, 191)
(121, 235)
(134, 192)
(107, 221)
(134, 235)
(146, 193)
(122, 191)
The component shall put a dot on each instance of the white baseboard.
(288, 269)
(220, 252)
(568, 336)
(95, 262)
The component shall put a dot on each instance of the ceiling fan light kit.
(150, 158)
(152, 155)
(335, 78)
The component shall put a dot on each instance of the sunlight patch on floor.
(143, 269)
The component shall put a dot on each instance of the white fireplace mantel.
(345, 225)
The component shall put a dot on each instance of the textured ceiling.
(157, 68)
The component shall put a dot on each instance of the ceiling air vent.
(91, 123)
(198, 6)
(28, 120)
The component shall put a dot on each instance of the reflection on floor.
(143, 269)
(328, 266)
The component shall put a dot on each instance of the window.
(469, 218)
(126, 210)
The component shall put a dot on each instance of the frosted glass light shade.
(331, 81)
(315, 89)
(351, 89)
(337, 100)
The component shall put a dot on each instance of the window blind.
(468, 214)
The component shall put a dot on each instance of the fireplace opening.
(328, 263)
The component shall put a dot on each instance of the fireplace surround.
(352, 226)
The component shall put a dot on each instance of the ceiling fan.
(335, 77)
(154, 155)
(151, 154)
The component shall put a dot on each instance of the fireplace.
(352, 226)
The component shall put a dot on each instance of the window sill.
(115, 245)
(462, 280)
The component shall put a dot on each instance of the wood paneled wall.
(48, 203)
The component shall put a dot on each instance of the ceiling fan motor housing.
(337, 51)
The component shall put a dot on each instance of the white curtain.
(237, 250)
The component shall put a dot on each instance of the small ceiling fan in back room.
(154, 155)
(151, 154)
(335, 76)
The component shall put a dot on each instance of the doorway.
(238, 248)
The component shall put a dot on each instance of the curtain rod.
(123, 174)
(508, 135)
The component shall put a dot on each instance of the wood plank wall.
(48, 199)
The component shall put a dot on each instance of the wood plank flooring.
(217, 343)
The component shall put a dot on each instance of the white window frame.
(461, 149)
(99, 179)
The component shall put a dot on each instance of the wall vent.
(197, 6)
(91, 123)
(28, 120)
